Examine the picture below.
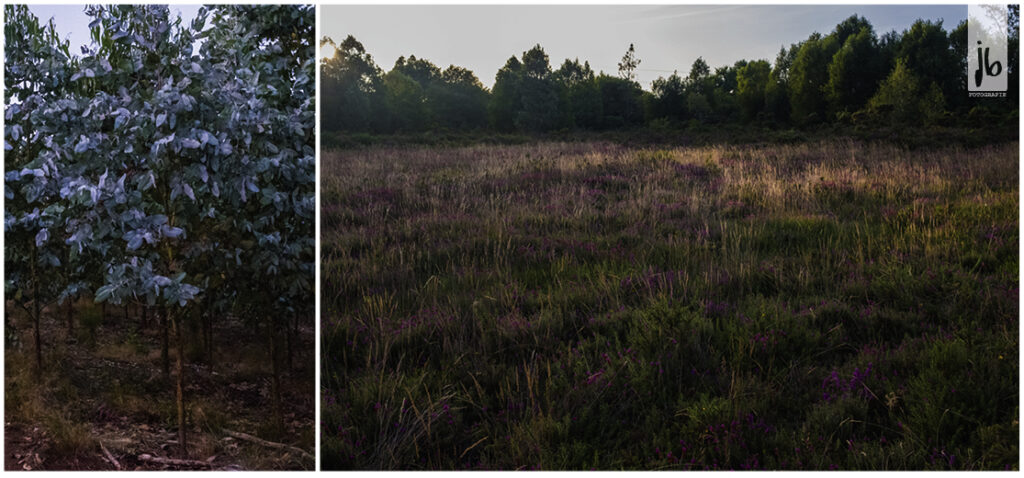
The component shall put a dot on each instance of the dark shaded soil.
(107, 389)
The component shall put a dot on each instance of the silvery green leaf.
(89, 73)
(83, 144)
(103, 293)
(189, 143)
(188, 191)
(160, 118)
(42, 236)
(171, 232)
(134, 242)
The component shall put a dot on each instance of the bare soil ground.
(106, 389)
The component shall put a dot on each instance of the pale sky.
(666, 37)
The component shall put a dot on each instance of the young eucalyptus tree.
(178, 157)
(273, 238)
(35, 83)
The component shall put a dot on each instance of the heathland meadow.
(590, 305)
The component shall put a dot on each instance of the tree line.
(852, 75)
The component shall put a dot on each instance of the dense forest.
(851, 76)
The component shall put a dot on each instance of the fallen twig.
(260, 441)
(110, 458)
(173, 461)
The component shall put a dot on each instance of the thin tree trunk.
(103, 312)
(181, 386)
(145, 317)
(36, 312)
(288, 339)
(163, 351)
(208, 332)
(126, 311)
(71, 315)
(295, 331)
(278, 415)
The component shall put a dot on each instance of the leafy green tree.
(854, 73)
(422, 71)
(580, 96)
(668, 98)
(776, 92)
(925, 49)
(536, 64)
(723, 94)
(699, 79)
(406, 102)
(621, 102)
(932, 105)
(752, 81)
(958, 44)
(897, 97)
(38, 64)
(699, 89)
(506, 99)
(628, 64)
(458, 100)
(852, 25)
(808, 77)
(538, 93)
(351, 82)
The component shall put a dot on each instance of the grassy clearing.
(593, 306)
